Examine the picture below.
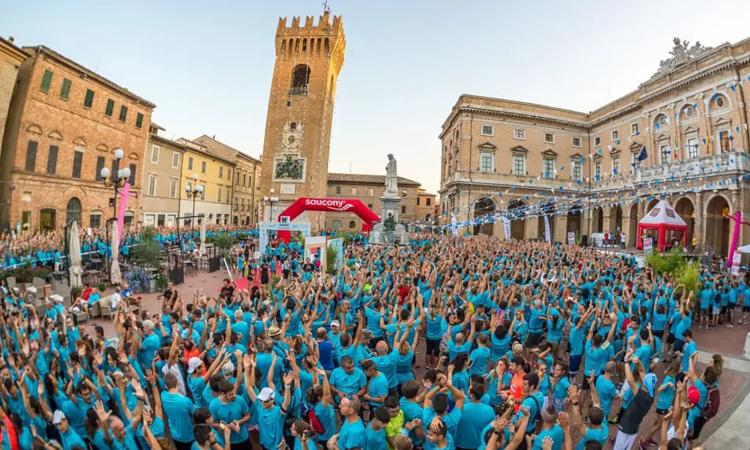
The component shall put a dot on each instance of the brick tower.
(300, 110)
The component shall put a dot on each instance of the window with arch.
(300, 79)
(73, 210)
(352, 224)
(688, 112)
(719, 101)
(661, 121)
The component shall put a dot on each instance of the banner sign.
(648, 245)
(506, 227)
(547, 234)
(571, 237)
(123, 206)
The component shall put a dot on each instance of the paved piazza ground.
(727, 430)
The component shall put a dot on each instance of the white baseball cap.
(194, 363)
(336, 323)
(266, 394)
(58, 417)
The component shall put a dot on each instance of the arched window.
(688, 113)
(719, 101)
(352, 224)
(73, 210)
(661, 121)
(300, 78)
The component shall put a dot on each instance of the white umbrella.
(745, 249)
(115, 277)
(74, 255)
(203, 238)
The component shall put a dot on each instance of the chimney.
(213, 137)
(11, 39)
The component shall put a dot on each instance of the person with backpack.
(708, 399)
(639, 406)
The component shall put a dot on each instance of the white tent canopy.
(662, 214)
(744, 249)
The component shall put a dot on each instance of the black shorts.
(678, 344)
(433, 347)
(574, 363)
(585, 385)
(532, 340)
(662, 412)
(670, 338)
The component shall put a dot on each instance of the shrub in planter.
(102, 287)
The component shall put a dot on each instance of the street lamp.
(115, 180)
(193, 190)
(271, 201)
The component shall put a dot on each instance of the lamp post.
(115, 180)
(270, 201)
(193, 190)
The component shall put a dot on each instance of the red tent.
(661, 218)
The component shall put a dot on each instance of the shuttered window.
(100, 161)
(139, 120)
(110, 107)
(31, 156)
(89, 99)
(123, 113)
(77, 164)
(65, 89)
(46, 80)
(52, 160)
(131, 180)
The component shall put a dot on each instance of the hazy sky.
(207, 65)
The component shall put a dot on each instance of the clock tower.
(300, 111)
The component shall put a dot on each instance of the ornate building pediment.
(635, 147)
(487, 146)
(614, 151)
(34, 129)
(102, 148)
(519, 149)
(549, 153)
(577, 157)
(79, 141)
(56, 135)
(682, 53)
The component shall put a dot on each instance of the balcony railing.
(298, 90)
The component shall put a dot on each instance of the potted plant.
(147, 257)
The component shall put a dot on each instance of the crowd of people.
(47, 248)
(464, 343)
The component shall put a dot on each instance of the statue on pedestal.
(391, 178)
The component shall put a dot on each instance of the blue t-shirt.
(179, 411)
(349, 384)
(270, 424)
(665, 398)
(378, 387)
(475, 417)
(607, 392)
(555, 432)
(352, 435)
(229, 412)
(594, 434)
(479, 358)
(375, 440)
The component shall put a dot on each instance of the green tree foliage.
(148, 251)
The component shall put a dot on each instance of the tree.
(148, 251)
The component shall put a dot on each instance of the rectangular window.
(151, 185)
(487, 130)
(338, 189)
(519, 133)
(110, 109)
(155, 150)
(175, 160)
(31, 156)
(115, 167)
(190, 163)
(354, 191)
(52, 160)
(139, 120)
(403, 209)
(46, 81)
(95, 220)
(173, 187)
(576, 170)
(221, 171)
(88, 100)
(635, 163)
(123, 113)
(486, 162)
(724, 142)
(598, 171)
(65, 88)
(219, 195)
(576, 142)
(160, 220)
(369, 205)
(203, 166)
(597, 140)
(100, 161)
(549, 168)
(616, 165)
(131, 180)
(77, 164)
(634, 129)
(229, 195)
(519, 165)
(614, 135)
(371, 192)
(203, 193)
(419, 200)
(26, 218)
(549, 138)
(428, 201)
(664, 152)
(692, 148)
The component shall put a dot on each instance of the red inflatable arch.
(303, 204)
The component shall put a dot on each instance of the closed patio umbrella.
(203, 238)
(74, 255)
(115, 277)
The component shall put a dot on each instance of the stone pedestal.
(377, 235)
(391, 207)
(402, 238)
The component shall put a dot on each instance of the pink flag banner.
(123, 206)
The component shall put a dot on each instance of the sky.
(208, 65)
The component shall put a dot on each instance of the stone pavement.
(730, 430)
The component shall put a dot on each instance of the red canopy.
(661, 218)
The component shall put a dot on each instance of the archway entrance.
(616, 220)
(484, 207)
(546, 210)
(573, 221)
(73, 210)
(717, 226)
(684, 207)
(598, 220)
(632, 232)
(517, 210)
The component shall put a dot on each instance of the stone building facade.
(11, 58)
(162, 179)
(247, 198)
(309, 57)
(426, 203)
(681, 135)
(368, 189)
(64, 124)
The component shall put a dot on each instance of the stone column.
(606, 219)
(700, 221)
(561, 229)
(531, 227)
